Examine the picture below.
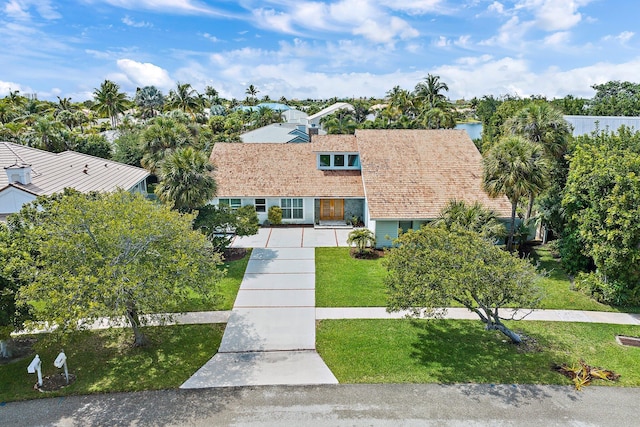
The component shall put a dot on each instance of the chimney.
(19, 173)
(313, 130)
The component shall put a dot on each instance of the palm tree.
(45, 134)
(150, 100)
(428, 93)
(252, 93)
(438, 118)
(109, 101)
(161, 138)
(185, 181)
(472, 217)
(544, 125)
(514, 167)
(212, 94)
(185, 98)
(340, 122)
(362, 237)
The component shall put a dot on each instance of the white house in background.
(294, 115)
(314, 119)
(280, 133)
(389, 179)
(585, 125)
(29, 172)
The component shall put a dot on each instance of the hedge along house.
(390, 179)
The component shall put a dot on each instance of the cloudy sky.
(318, 49)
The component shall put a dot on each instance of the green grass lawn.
(227, 289)
(342, 281)
(461, 351)
(104, 361)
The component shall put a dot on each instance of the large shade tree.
(433, 268)
(116, 255)
(514, 167)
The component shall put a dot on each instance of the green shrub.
(573, 259)
(606, 291)
(275, 215)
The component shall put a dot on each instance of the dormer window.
(340, 161)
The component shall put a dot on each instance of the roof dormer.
(19, 173)
(339, 161)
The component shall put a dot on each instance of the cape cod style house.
(390, 179)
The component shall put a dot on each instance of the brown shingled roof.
(414, 173)
(278, 170)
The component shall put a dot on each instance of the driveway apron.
(270, 335)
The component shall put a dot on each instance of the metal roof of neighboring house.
(330, 110)
(585, 125)
(278, 170)
(413, 174)
(277, 133)
(52, 173)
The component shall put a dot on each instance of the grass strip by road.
(104, 361)
(343, 281)
(461, 351)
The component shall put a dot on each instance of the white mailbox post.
(61, 362)
(34, 367)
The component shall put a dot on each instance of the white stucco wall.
(12, 199)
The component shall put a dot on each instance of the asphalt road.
(339, 405)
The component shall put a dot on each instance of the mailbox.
(60, 360)
(34, 365)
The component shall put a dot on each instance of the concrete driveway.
(294, 237)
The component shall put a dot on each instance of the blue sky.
(318, 49)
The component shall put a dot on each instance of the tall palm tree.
(185, 98)
(109, 101)
(545, 126)
(340, 122)
(438, 118)
(212, 94)
(252, 93)
(514, 167)
(185, 181)
(429, 93)
(160, 139)
(150, 101)
(45, 134)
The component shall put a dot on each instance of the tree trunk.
(140, 340)
(515, 338)
(512, 227)
(530, 207)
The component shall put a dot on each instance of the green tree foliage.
(128, 147)
(184, 98)
(615, 98)
(185, 181)
(340, 122)
(602, 203)
(471, 217)
(115, 255)
(274, 215)
(515, 168)
(362, 238)
(94, 145)
(163, 136)
(15, 258)
(220, 223)
(432, 268)
(149, 100)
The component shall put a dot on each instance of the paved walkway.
(270, 335)
(293, 237)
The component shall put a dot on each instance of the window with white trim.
(329, 161)
(232, 203)
(292, 208)
(261, 205)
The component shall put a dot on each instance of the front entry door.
(332, 209)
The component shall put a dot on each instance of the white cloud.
(145, 74)
(163, 6)
(554, 15)
(137, 24)
(211, 37)
(6, 87)
(441, 41)
(496, 7)
(623, 37)
(415, 7)
(19, 9)
(559, 39)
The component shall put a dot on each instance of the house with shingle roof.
(390, 179)
(30, 172)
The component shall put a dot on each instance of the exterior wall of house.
(352, 207)
(386, 232)
(140, 187)
(12, 199)
(308, 210)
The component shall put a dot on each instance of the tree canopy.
(433, 267)
(115, 255)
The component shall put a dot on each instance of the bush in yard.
(275, 215)
(362, 237)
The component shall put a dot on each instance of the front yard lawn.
(461, 351)
(342, 281)
(104, 361)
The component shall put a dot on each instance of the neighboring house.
(293, 115)
(585, 125)
(279, 133)
(314, 119)
(390, 179)
(30, 172)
